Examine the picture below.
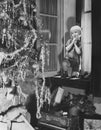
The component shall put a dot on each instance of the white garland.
(39, 94)
(10, 56)
(38, 114)
(43, 94)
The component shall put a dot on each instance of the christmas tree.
(22, 51)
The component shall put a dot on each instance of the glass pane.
(50, 23)
(52, 65)
(48, 7)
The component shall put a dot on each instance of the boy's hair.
(75, 28)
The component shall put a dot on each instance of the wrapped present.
(16, 118)
(59, 121)
(4, 102)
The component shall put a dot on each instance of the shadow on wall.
(71, 21)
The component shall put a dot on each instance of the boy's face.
(75, 34)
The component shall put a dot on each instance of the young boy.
(73, 49)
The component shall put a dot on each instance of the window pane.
(48, 7)
(52, 66)
(50, 23)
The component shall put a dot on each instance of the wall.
(69, 17)
(86, 39)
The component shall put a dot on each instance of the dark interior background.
(79, 5)
(96, 47)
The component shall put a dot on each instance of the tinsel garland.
(18, 54)
(40, 99)
(42, 95)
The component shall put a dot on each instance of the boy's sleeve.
(67, 43)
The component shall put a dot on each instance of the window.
(50, 14)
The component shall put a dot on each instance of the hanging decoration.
(21, 59)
